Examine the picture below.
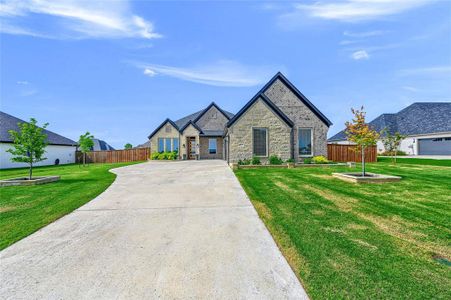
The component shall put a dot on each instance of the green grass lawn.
(25, 209)
(346, 240)
(418, 161)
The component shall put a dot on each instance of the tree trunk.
(394, 158)
(363, 161)
(84, 158)
(31, 171)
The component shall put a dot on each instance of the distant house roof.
(416, 119)
(8, 122)
(101, 145)
(144, 145)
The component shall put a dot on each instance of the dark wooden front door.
(191, 142)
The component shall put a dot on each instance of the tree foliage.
(128, 146)
(360, 133)
(28, 144)
(85, 144)
(391, 142)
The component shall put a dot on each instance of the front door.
(191, 147)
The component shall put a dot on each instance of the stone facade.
(301, 116)
(167, 131)
(240, 134)
(204, 151)
(189, 131)
(213, 119)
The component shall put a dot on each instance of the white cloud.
(76, 19)
(22, 82)
(435, 70)
(357, 10)
(364, 34)
(222, 73)
(359, 55)
(410, 88)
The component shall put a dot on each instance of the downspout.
(292, 143)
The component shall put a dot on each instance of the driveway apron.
(168, 230)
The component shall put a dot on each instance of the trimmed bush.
(165, 155)
(275, 160)
(290, 160)
(320, 160)
(256, 160)
(244, 162)
(307, 160)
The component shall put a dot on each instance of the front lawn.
(417, 161)
(346, 240)
(25, 209)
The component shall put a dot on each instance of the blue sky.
(118, 69)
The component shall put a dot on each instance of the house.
(278, 120)
(426, 125)
(100, 145)
(60, 150)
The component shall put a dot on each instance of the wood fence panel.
(345, 153)
(114, 156)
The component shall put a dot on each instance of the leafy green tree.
(359, 133)
(128, 146)
(85, 144)
(392, 142)
(28, 144)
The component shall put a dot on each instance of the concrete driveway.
(173, 230)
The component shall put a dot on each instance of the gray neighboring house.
(60, 150)
(279, 120)
(426, 125)
(100, 145)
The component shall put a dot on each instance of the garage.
(435, 146)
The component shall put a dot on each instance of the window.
(437, 140)
(212, 146)
(167, 144)
(175, 144)
(260, 141)
(305, 141)
(160, 145)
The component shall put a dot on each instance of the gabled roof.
(298, 94)
(416, 119)
(265, 99)
(190, 123)
(197, 115)
(8, 122)
(161, 126)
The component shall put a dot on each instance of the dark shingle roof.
(418, 118)
(212, 132)
(8, 122)
(195, 116)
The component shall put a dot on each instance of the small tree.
(128, 146)
(29, 144)
(361, 134)
(85, 144)
(391, 142)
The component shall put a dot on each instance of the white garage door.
(437, 146)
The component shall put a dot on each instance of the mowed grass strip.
(25, 209)
(370, 241)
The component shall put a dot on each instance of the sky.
(119, 68)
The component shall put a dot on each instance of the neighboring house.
(60, 150)
(426, 125)
(144, 145)
(278, 120)
(100, 145)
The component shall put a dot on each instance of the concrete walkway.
(174, 230)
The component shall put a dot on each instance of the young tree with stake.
(85, 143)
(28, 144)
(359, 133)
(392, 142)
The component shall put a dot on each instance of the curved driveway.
(174, 230)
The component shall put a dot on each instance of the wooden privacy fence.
(345, 153)
(114, 156)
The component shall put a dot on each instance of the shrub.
(320, 160)
(275, 160)
(390, 153)
(256, 160)
(290, 160)
(244, 162)
(307, 160)
(164, 155)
